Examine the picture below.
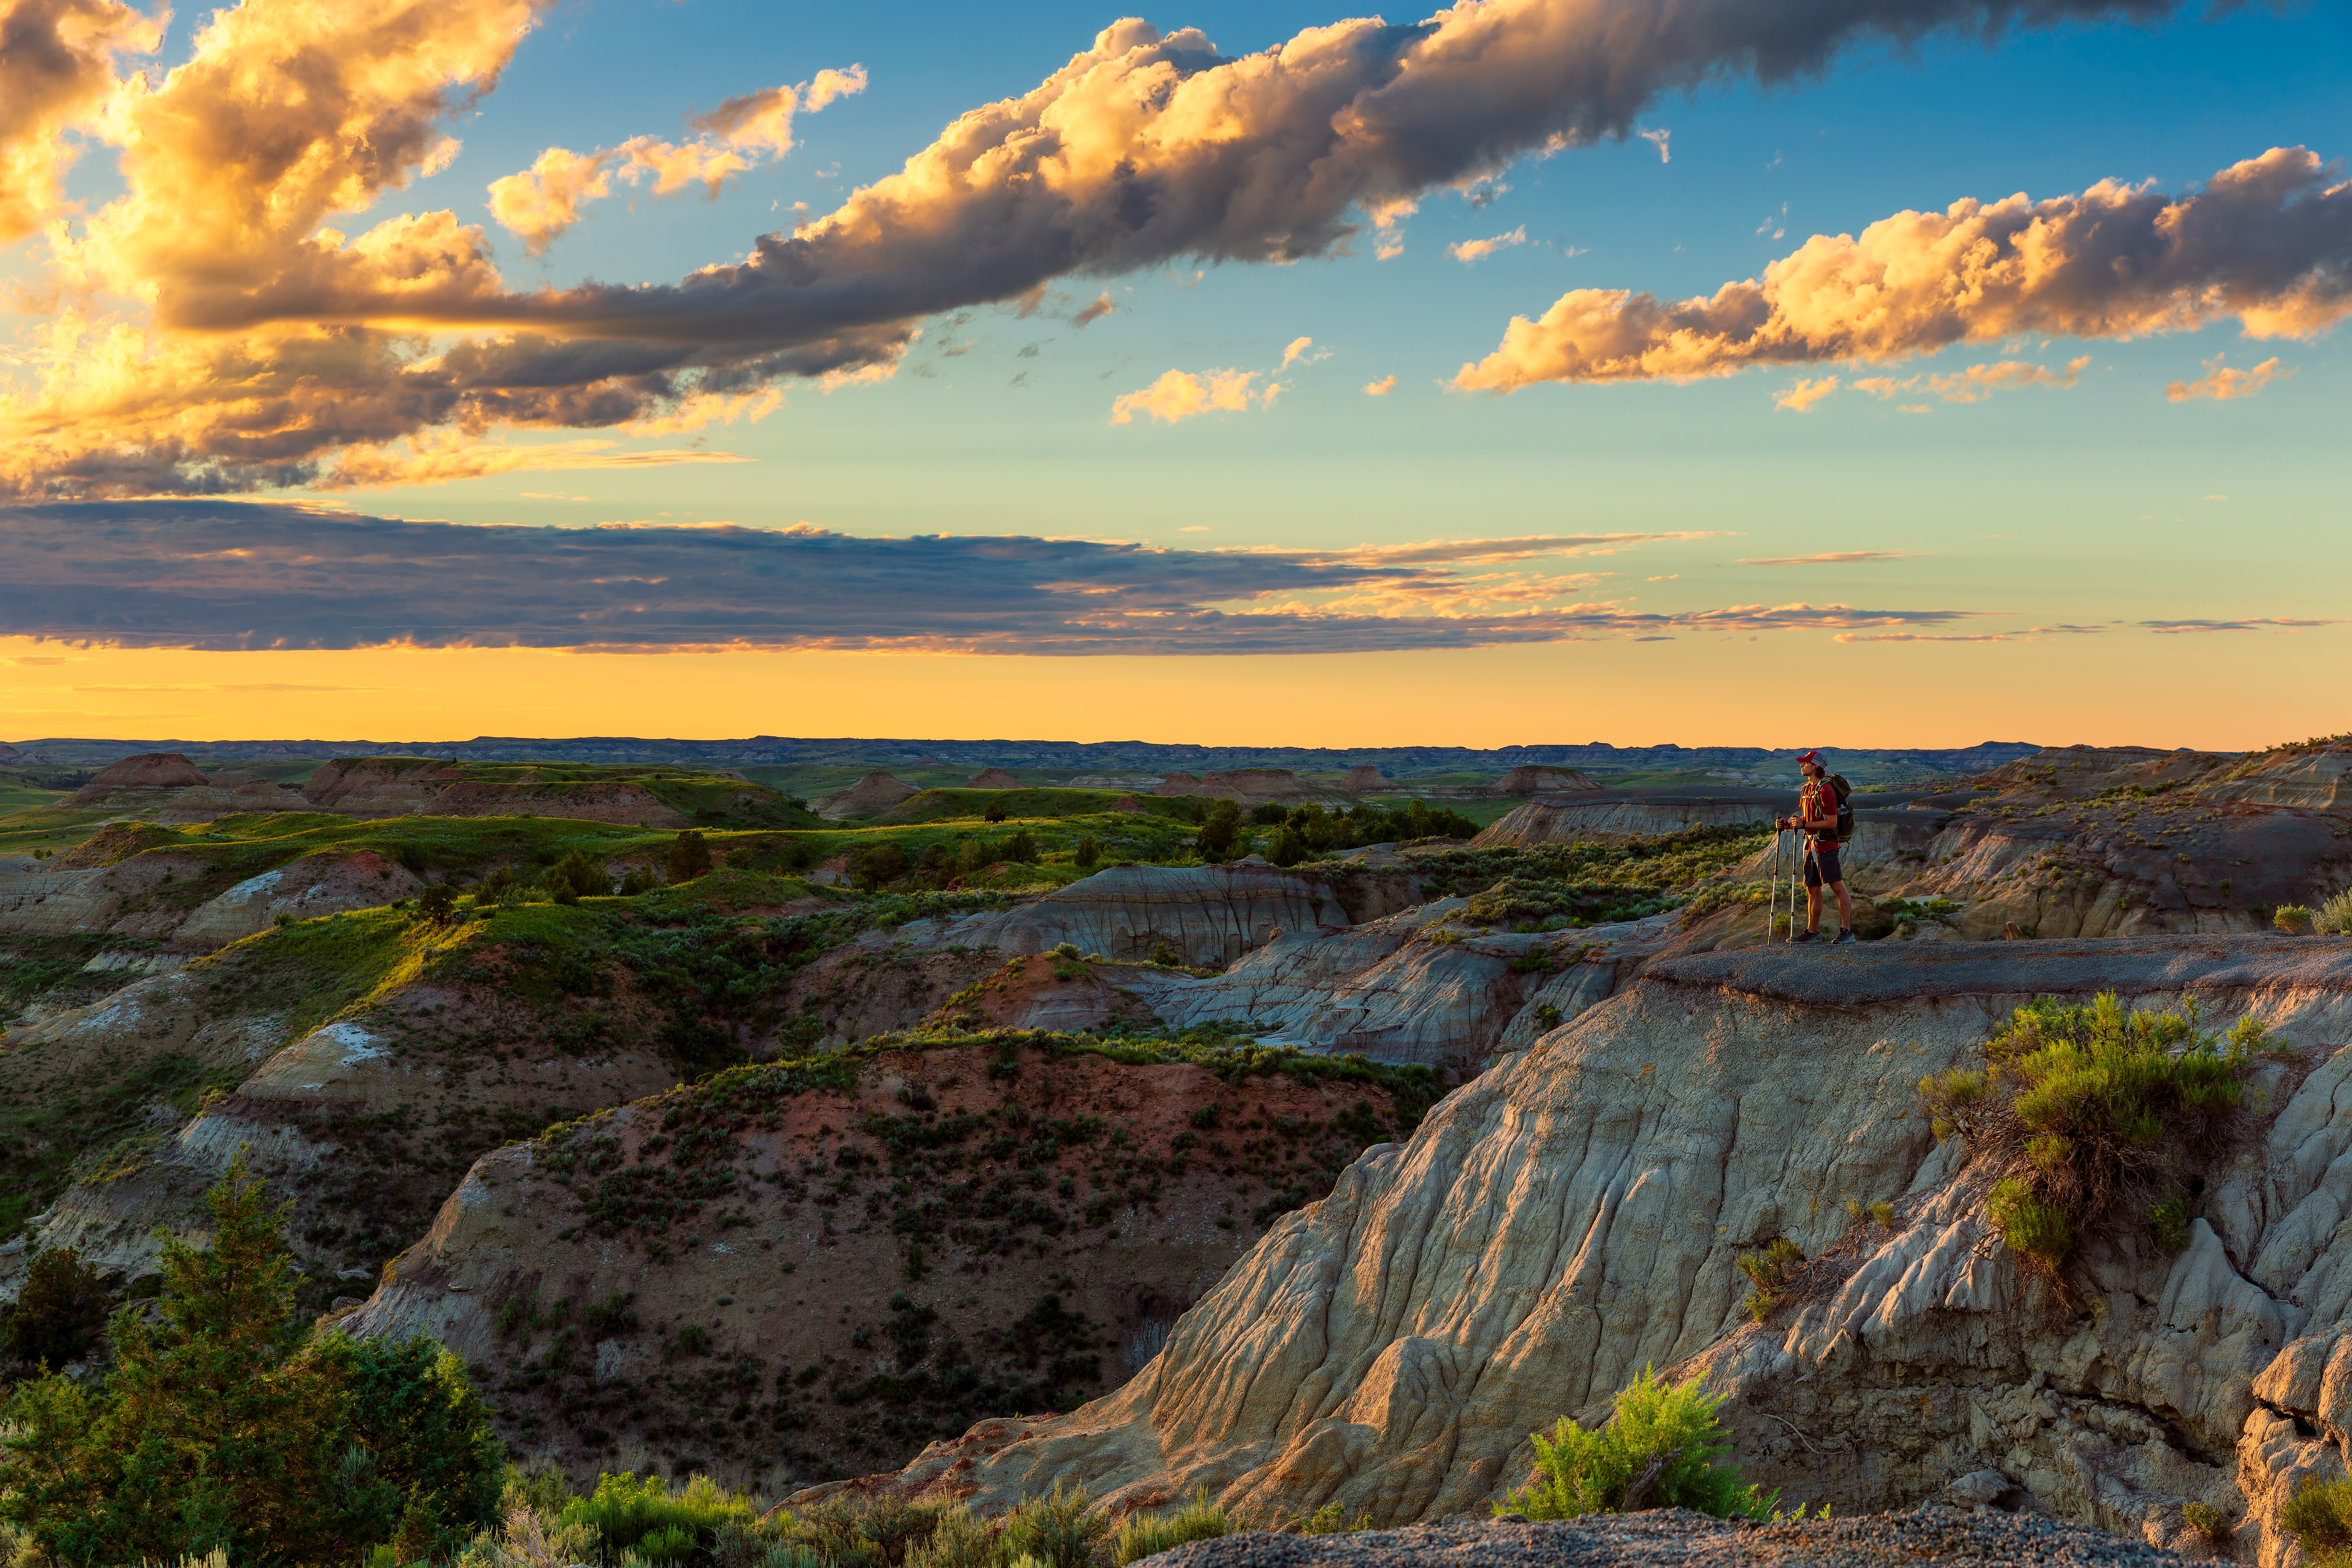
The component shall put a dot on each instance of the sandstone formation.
(1364, 779)
(876, 793)
(1204, 914)
(149, 770)
(1541, 781)
(159, 895)
(992, 778)
(1245, 786)
(1577, 1212)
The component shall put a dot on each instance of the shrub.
(2334, 916)
(2319, 1517)
(502, 888)
(1219, 833)
(60, 1312)
(1144, 1535)
(883, 863)
(1286, 848)
(436, 905)
(1658, 1450)
(1165, 955)
(639, 879)
(639, 1514)
(1769, 1271)
(958, 1541)
(2293, 919)
(2170, 1220)
(1022, 848)
(689, 856)
(576, 877)
(225, 1423)
(2080, 1108)
(1060, 1530)
(2206, 1520)
(1331, 1518)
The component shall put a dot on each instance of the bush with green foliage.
(1020, 849)
(1659, 1449)
(575, 877)
(1220, 832)
(2293, 919)
(689, 856)
(639, 1514)
(60, 1312)
(1142, 1535)
(438, 904)
(225, 1423)
(1286, 848)
(2334, 917)
(1088, 853)
(2206, 1520)
(1060, 1530)
(1769, 1272)
(2083, 1109)
(2319, 1517)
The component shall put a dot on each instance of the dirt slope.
(792, 1272)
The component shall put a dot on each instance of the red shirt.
(1818, 798)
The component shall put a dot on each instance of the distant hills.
(1105, 756)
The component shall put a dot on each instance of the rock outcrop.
(1363, 780)
(992, 778)
(876, 793)
(375, 787)
(159, 895)
(1577, 1212)
(1542, 781)
(148, 770)
(1202, 914)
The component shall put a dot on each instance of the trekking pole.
(1772, 889)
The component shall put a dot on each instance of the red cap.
(1813, 757)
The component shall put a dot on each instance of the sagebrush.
(1659, 1449)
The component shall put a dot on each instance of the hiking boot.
(1806, 936)
(1845, 933)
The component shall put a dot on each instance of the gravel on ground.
(1676, 1538)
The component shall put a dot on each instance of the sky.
(1888, 372)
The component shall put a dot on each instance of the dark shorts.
(1821, 869)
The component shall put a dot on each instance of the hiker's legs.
(1845, 907)
(1812, 909)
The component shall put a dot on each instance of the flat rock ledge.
(1677, 1537)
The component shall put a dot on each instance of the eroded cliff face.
(1577, 1214)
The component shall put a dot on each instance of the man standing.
(1817, 818)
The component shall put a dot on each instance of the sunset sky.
(1543, 371)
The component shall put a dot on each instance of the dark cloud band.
(240, 576)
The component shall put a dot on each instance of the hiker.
(1818, 805)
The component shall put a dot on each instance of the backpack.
(1845, 812)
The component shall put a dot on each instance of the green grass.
(951, 804)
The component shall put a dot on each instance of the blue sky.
(2099, 502)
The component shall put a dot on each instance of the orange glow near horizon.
(1776, 691)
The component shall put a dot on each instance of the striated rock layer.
(1577, 1214)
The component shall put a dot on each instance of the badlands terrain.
(1310, 1134)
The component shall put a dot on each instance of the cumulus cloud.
(259, 344)
(2220, 382)
(1469, 250)
(544, 201)
(1977, 382)
(1181, 394)
(1808, 390)
(1296, 349)
(235, 575)
(57, 73)
(1381, 387)
(2267, 241)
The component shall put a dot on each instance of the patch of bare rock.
(1363, 779)
(992, 778)
(876, 793)
(1542, 781)
(1245, 786)
(1677, 1538)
